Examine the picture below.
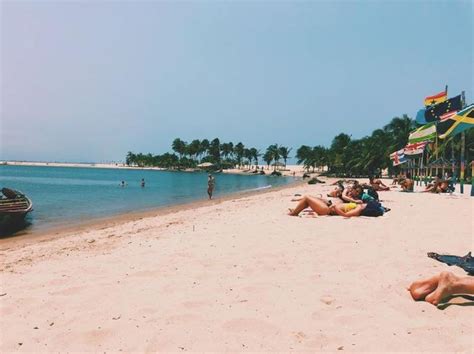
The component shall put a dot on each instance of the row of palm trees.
(370, 154)
(221, 155)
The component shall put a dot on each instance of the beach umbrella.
(205, 164)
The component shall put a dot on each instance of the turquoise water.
(68, 194)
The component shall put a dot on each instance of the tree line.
(371, 154)
(345, 156)
(220, 155)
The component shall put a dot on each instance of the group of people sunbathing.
(438, 185)
(350, 198)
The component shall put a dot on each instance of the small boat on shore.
(14, 206)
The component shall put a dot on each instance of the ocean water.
(62, 195)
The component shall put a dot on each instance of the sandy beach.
(241, 275)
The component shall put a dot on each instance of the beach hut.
(442, 164)
(205, 165)
(278, 165)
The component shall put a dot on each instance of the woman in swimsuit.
(323, 207)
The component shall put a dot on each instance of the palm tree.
(255, 154)
(284, 152)
(179, 147)
(215, 151)
(268, 158)
(239, 152)
(274, 151)
(130, 159)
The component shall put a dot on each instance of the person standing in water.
(210, 185)
(142, 183)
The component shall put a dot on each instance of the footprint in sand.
(328, 300)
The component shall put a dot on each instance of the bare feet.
(421, 288)
(444, 289)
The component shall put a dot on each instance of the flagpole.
(463, 143)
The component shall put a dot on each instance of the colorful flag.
(416, 148)
(433, 113)
(435, 99)
(398, 157)
(426, 132)
(456, 123)
(420, 116)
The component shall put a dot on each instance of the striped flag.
(398, 157)
(456, 123)
(435, 99)
(416, 148)
(426, 132)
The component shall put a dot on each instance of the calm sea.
(66, 194)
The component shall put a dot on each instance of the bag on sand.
(373, 208)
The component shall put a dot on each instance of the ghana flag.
(433, 113)
(438, 98)
(453, 124)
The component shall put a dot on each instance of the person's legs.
(316, 204)
(209, 192)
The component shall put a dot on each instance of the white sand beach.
(241, 275)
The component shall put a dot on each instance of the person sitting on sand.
(322, 207)
(398, 179)
(435, 186)
(440, 287)
(408, 184)
(378, 184)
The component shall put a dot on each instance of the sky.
(87, 81)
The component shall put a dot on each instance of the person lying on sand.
(353, 194)
(437, 185)
(343, 181)
(407, 184)
(323, 207)
(440, 287)
(378, 184)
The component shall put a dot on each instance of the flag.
(420, 116)
(426, 132)
(435, 99)
(433, 113)
(456, 123)
(398, 157)
(416, 148)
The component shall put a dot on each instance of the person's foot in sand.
(440, 287)
(444, 289)
(419, 289)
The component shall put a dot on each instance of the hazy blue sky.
(88, 81)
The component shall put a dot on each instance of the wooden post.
(463, 145)
(461, 175)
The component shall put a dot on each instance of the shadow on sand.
(469, 302)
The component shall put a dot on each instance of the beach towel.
(466, 262)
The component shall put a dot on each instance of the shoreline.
(57, 231)
(298, 170)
